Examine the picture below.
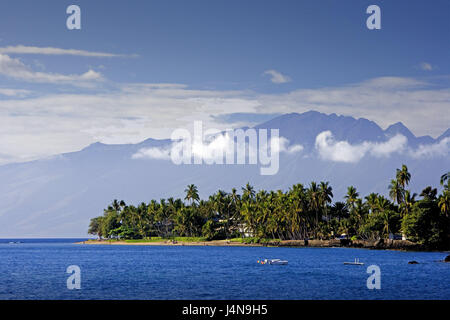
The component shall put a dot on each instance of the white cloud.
(20, 49)
(285, 146)
(277, 77)
(439, 149)
(14, 68)
(339, 151)
(426, 66)
(397, 143)
(391, 83)
(20, 93)
(153, 153)
(343, 151)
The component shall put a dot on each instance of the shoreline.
(400, 245)
(212, 243)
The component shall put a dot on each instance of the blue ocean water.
(36, 269)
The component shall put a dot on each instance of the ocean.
(37, 269)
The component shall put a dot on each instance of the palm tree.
(234, 208)
(403, 176)
(297, 209)
(371, 201)
(326, 196)
(445, 177)
(340, 210)
(384, 209)
(248, 191)
(191, 194)
(429, 193)
(386, 216)
(358, 213)
(396, 191)
(235, 197)
(408, 202)
(444, 203)
(315, 201)
(351, 196)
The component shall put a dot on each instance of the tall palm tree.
(297, 209)
(403, 176)
(191, 194)
(234, 208)
(326, 195)
(315, 201)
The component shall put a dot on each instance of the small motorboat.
(356, 262)
(273, 261)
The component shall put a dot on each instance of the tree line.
(298, 213)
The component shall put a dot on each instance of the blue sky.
(216, 58)
(229, 44)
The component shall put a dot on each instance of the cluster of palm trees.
(298, 213)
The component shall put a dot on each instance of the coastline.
(215, 243)
(402, 245)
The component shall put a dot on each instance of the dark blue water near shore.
(36, 269)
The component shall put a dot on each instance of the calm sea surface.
(36, 269)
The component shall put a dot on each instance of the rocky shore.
(366, 244)
(345, 243)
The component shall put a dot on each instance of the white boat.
(273, 261)
(356, 262)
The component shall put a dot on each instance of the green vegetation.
(299, 213)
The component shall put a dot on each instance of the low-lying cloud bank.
(440, 149)
(343, 151)
(327, 147)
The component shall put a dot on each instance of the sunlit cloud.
(426, 66)
(342, 151)
(20, 49)
(14, 68)
(19, 93)
(439, 149)
(277, 77)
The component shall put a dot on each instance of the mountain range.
(57, 196)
